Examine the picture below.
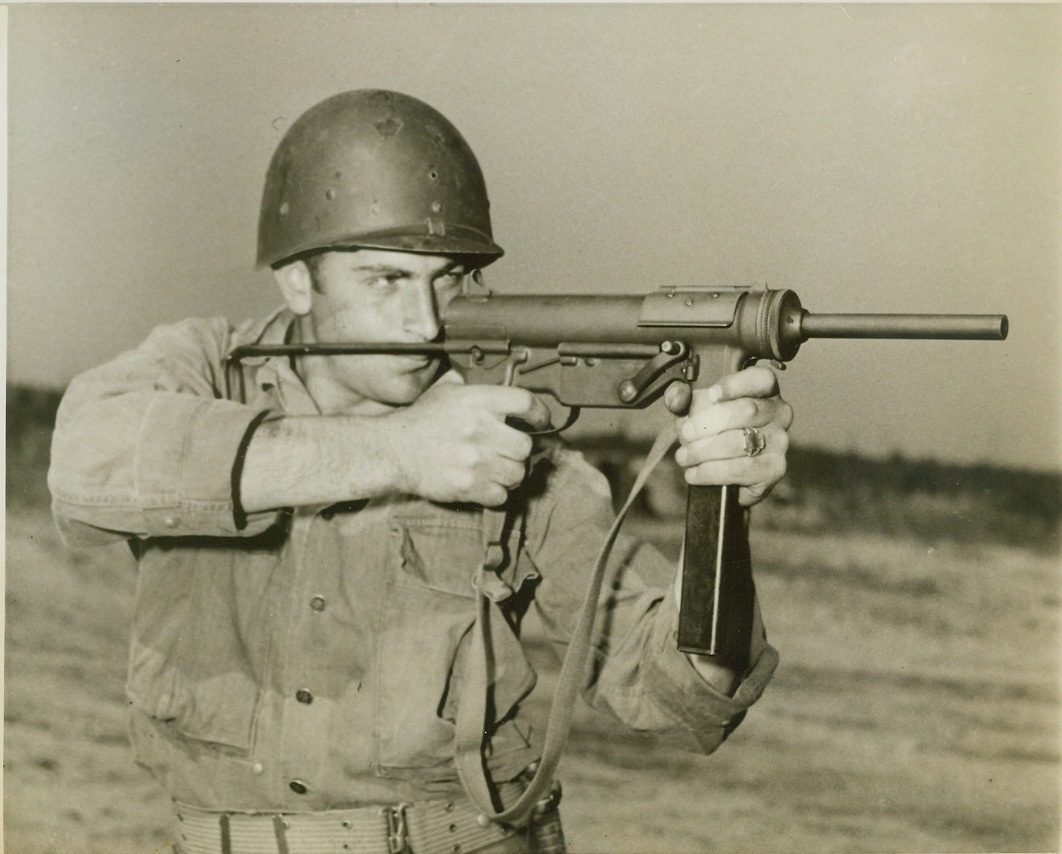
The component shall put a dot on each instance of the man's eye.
(449, 281)
(383, 281)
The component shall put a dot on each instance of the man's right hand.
(453, 443)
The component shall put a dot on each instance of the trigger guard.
(755, 360)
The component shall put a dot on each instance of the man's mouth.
(418, 362)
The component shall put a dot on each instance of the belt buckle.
(396, 828)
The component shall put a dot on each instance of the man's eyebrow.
(381, 268)
(392, 269)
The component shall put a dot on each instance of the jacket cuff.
(183, 465)
(704, 711)
(239, 515)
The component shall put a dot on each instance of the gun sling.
(472, 723)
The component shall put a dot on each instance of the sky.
(880, 158)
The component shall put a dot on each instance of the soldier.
(301, 643)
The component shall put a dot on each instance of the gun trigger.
(778, 365)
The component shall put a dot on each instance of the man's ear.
(296, 284)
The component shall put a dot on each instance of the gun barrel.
(973, 327)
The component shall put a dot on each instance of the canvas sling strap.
(472, 713)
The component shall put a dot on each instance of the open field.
(916, 707)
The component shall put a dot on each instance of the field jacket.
(312, 658)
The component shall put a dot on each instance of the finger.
(756, 381)
(761, 471)
(730, 444)
(733, 415)
(539, 416)
(493, 495)
(677, 397)
(749, 495)
(524, 406)
(729, 415)
(514, 444)
(508, 473)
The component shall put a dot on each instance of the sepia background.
(871, 157)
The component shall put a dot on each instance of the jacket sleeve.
(636, 672)
(146, 445)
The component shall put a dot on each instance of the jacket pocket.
(428, 616)
(189, 666)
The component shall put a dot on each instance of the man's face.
(372, 295)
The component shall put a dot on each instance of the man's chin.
(400, 382)
(406, 389)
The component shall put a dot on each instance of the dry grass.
(915, 709)
(69, 780)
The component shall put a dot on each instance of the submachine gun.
(623, 352)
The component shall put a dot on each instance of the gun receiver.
(622, 352)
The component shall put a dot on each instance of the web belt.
(427, 827)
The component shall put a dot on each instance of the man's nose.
(422, 312)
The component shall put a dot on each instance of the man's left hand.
(718, 438)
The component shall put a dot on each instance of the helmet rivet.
(331, 194)
(436, 207)
(284, 208)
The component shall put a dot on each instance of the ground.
(916, 708)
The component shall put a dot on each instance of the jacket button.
(304, 696)
(298, 787)
(317, 603)
(170, 522)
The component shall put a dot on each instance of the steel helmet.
(376, 170)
